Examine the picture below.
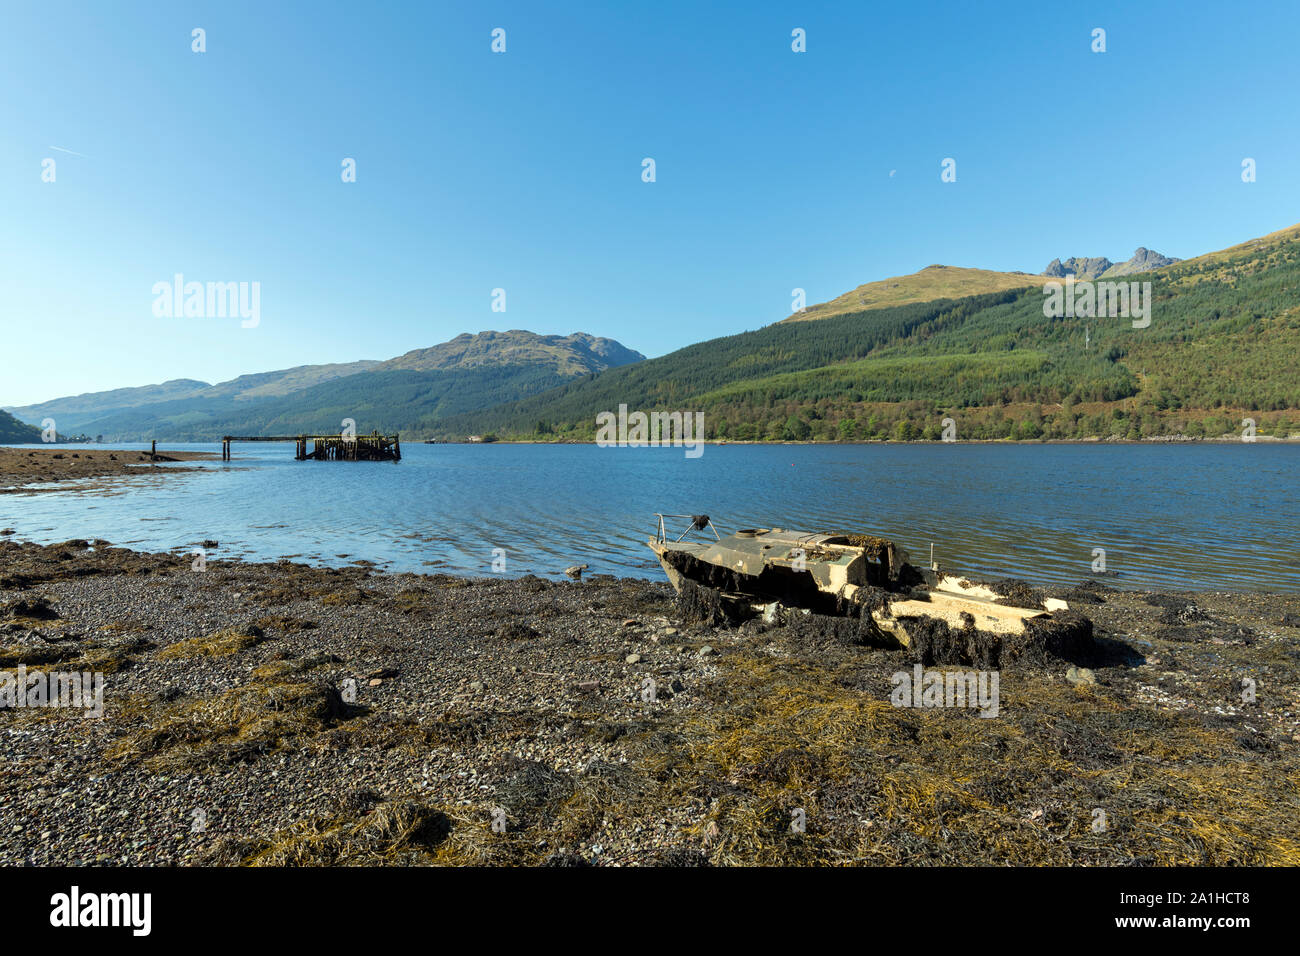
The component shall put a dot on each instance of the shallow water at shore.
(1167, 516)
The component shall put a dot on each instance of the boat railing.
(698, 523)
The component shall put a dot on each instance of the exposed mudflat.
(23, 465)
(279, 713)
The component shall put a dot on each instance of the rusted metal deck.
(373, 447)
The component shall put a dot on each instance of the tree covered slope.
(1223, 345)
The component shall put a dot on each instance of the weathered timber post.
(373, 447)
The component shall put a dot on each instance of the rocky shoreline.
(22, 466)
(278, 713)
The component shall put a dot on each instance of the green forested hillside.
(1223, 344)
(12, 431)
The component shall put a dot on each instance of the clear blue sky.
(523, 170)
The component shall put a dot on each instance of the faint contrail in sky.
(72, 151)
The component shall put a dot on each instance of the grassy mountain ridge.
(101, 402)
(408, 393)
(394, 400)
(928, 285)
(567, 356)
(285, 381)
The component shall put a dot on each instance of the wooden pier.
(373, 447)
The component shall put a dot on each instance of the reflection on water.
(1195, 516)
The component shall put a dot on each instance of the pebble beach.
(283, 714)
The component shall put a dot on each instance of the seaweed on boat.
(1015, 593)
(1067, 635)
(700, 604)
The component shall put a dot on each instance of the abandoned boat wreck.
(862, 589)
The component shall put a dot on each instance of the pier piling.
(373, 447)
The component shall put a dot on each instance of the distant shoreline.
(1260, 439)
(109, 447)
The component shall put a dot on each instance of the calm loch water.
(1171, 516)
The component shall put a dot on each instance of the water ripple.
(1191, 516)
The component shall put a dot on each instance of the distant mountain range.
(1143, 260)
(75, 411)
(404, 393)
(889, 359)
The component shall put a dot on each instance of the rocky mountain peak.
(1143, 260)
